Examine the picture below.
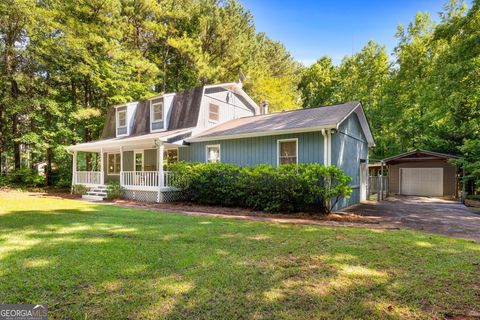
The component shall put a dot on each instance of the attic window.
(157, 112)
(213, 112)
(122, 118)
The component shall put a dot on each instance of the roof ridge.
(301, 109)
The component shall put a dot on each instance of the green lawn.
(104, 262)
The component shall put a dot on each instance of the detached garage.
(422, 173)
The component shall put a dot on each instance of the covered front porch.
(141, 167)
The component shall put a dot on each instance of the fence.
(377, 187)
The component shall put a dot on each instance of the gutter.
(258, 134)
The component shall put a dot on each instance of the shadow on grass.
(101, 261)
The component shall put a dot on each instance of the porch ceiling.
(147, 141)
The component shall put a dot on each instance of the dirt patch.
(472, 203)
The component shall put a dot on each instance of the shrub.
(23, 178)
(115, 190)
(263, 187)
(327, 185)
(473, 197)
(79, 189)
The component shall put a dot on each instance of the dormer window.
(122, 118)
(213, 112)
(121, 123)
(157, 112)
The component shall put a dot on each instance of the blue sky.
(310, 29)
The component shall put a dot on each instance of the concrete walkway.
(433, 215)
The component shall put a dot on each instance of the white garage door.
(421, 181)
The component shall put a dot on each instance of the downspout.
(325, 148)
(329, 147)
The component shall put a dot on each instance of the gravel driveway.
(434, 215)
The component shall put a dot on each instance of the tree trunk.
(48, 170)
(16, 144)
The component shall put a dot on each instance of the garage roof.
(419, 155)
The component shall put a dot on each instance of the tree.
(319, 84)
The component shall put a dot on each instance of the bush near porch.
(263, 187)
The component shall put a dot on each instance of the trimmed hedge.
(263, 187)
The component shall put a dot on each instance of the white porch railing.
(88, 177)
(147, 179)
(139, 179)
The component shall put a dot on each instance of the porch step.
(92, 197)
(97, 193)
(95, 190)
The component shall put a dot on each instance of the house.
(422, 173)
(220, 123)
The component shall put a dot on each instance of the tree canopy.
(426, 97)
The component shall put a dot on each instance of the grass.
(97, 261)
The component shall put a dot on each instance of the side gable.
(352, 127)
(419, 155)
(363, 121)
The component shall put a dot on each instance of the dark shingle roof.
(185, 109)
(284, 121)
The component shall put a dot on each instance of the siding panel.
(349, 147)
(251, 151)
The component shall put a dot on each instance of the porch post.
(121, 165)
(102, 176)
(74, 169)
(161, 148)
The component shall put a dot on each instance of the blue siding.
(251, 151)
(349, 146)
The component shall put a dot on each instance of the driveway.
(434, 215)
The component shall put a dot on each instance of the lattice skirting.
(151, 196)
(174, 195)
(139, 195)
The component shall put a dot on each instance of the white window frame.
(219, 152)
(158, 120)
(218, 113)
(108, 164)
(135, 152)
(117, 122)
(287, 140)
(152, 111)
